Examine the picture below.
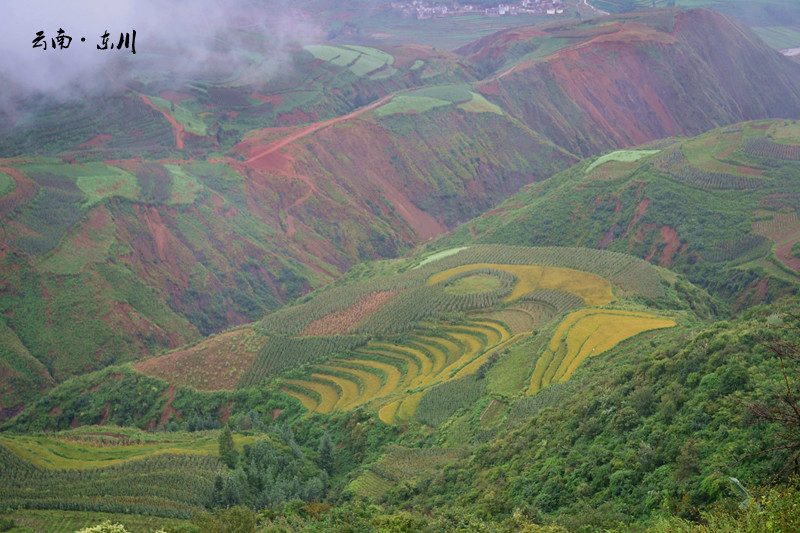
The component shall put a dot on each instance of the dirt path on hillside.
(270, 159)
(24, 190)
(599, 11)
(290, 219)
(273, 147)
(311, 128)
(289, 168)
(176, 127)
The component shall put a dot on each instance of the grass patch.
(340, 57)
(473, 284)
(370, 485)
(89, 243)
(451, 93)
(479, 104)
(511, 374)
(183, 116)
(403, 104)
(440, 255)
(360, 60)
(624, 156)
(779, 37)
(96, 180)
(7, 184)
(184, 187)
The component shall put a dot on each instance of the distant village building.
(422, 9)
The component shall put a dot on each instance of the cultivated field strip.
(473, 366)
(369, 382)
(329, 395)
(593, 289)
(518, 320)
(586, 333)
(387, 370)
(348, 389)
(401, 464)
(418, 297)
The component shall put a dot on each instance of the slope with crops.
(171, 212)
(719, 208)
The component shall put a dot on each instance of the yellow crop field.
(349, 388)
(475, 364)
(387, 412)
(411, 364)
(498, 333)
(308, 402)
(451, 348)
(468, 337)
(329, 394)
(408, 407)
(474, 347)
(609, 331)
(594, 289)
(393, 375)
(370, 382)
(586, 333)
(438, 354)
(65, 452)
(426, 363)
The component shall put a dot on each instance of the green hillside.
(178, 210)
(718, 208)
(440, 407)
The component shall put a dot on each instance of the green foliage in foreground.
(661, 429)
(28, 520)
(646, 435)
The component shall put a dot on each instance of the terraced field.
(384, 343)
(401, 464)
(594, 289)
(386, 371)
(586, 333)
(106, 446)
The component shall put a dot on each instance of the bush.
(105, 527)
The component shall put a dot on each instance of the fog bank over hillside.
(205, 38)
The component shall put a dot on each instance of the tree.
(237, 519)
(227, 451)
(784, 409)
(327, 456)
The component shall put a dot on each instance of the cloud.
(179, 39)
